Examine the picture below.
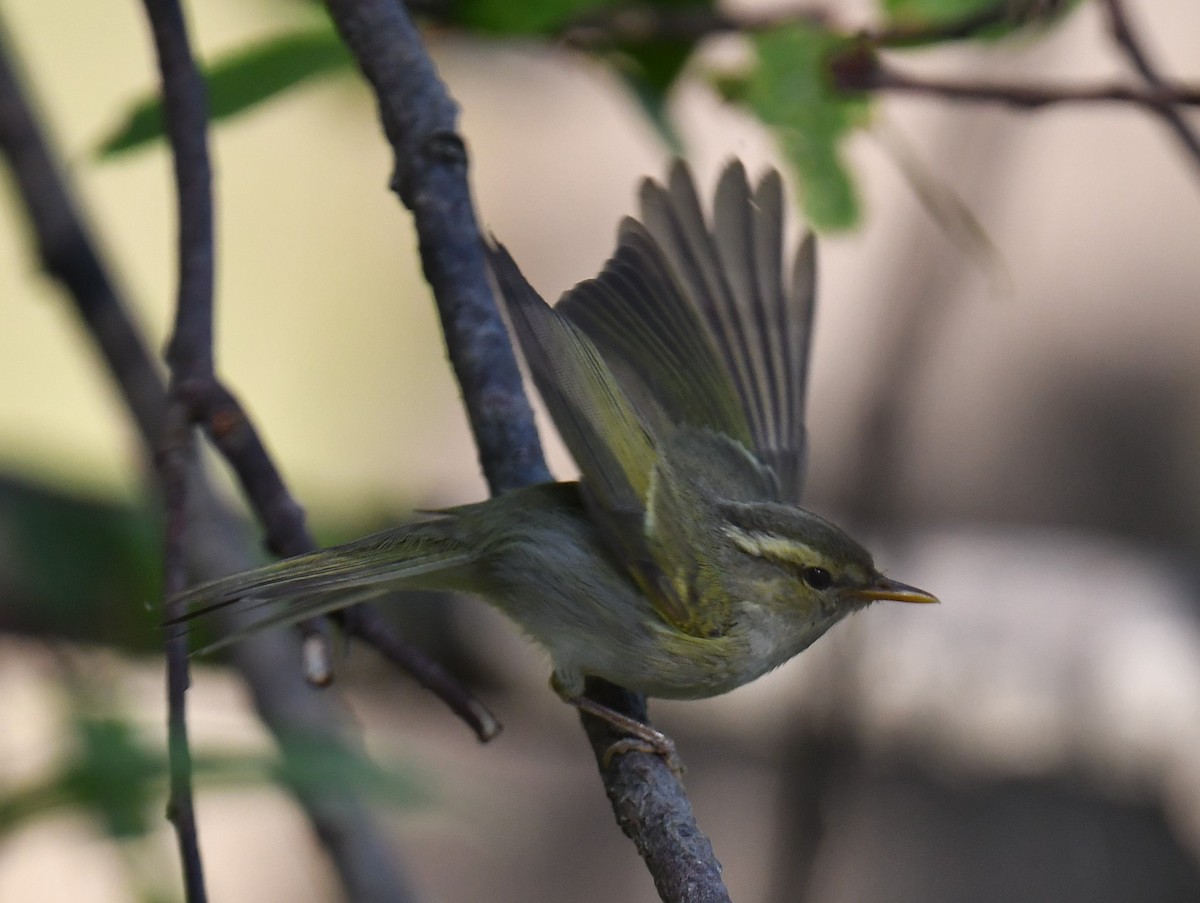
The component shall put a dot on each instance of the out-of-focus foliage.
(921, 23)
(533, 17)
(790, 90)
(787, 84)
(240, 81)
(110, 775)
(78, 568)
(119, 777)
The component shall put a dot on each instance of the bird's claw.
(662, 746)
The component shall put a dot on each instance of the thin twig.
(189, 356)
(860, 68)
(420, 121)
(880, 77)
(365, 623)
(1125, 38)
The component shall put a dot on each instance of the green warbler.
(680, 564)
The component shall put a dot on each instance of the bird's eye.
(817, 578)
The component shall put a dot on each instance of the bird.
(680, 564)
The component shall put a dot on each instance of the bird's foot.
(641, 736)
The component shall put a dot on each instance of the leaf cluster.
(789, 82)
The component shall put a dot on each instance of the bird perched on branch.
(680, 565)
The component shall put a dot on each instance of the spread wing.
(760, 322)
(677, 375)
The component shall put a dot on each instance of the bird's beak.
(884, 589)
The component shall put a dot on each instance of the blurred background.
(1013, 422)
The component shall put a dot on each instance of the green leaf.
(114, 776)
(80, 568)
(916, 23)
(240, 81)
(650, 70)
(528, 17)
(790, 90)
(313, 764)
(929, 11)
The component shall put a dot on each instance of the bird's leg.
(642, 737)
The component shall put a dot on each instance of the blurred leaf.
(790, 90)
(528, 17)
(110, 775)
(114, 776)
(650, 72)
(951, 213)
(929, 11)
(240, 81)
(78, 568)
(315, 765)
(923, 22)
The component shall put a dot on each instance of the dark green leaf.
(242, 80)
(650, 70)
(315, 765)
(915, 23)
(79, 568)
(790, 90)
(930, 11)
(529, 17)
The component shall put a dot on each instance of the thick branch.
(430, 172)
(652, 808)
(419, 119)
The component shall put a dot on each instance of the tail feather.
(423, 555)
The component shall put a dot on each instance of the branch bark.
(430, 177)
(189, 356)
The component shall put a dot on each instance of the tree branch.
(363, 856)
(858, 73)
(189, 356)
(1125, 38)
(429, 175)
(651, 806)
(420, 121)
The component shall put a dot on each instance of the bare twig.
(189, 357)
(365, 622)
(1125, 38)
(419, 119)
(855, 74)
